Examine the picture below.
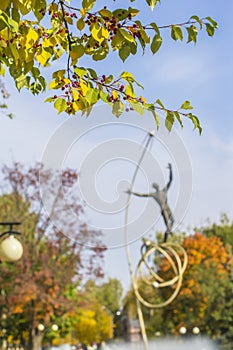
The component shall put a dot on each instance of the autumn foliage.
(205, 298)
(36, 289)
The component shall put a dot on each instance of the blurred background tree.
(206, 297)
(35, 290)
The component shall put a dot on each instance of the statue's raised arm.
(139, 194)
(170, 176)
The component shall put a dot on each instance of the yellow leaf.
(76, 106)
(53, 84)
(84, 88)
(95, 31)
(75, 94)
(142, 99)
(82, 12)
(104, 33)
(43, 57)
(47, 43)
(114, 94)
(32, 37)
(2, 70)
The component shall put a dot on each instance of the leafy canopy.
(38, 288)
(36, 34)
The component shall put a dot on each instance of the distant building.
(131, 329)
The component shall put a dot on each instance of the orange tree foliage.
(207, 287)
(206, 296)
(35, 289)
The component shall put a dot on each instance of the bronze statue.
(161, 198)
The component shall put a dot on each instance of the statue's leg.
(165, 236)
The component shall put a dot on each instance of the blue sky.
(201, 73)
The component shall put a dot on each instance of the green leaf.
(80, 23)
(130, 78)
(49, 99)
(151, 108)
(159, 103)
(197, 19)
(104, 97)
(133, 11)
(35, 88)
(196, 122)
(117, 41)
(15, 15)
(120, 14)
(133, 48)
(93, 73)
(177, 115)
(209, 29)
(105, 13)
(156, 43)
(124, 52)
(155, 27)
(117, 108)
(42, 81)
(127, 76)
(186, 105)
(126, 35)
(109, 79)
(77, 51)
(214, 24)
(59, 74)
(13, 24)
(39, 5)
(176, 33)
(192, 34)
(152, 3)
(60, 105)
(22, 81)
(143, 37)
(4, 4)
(88, 4)
(137, 107)
(35, 72)
(129, 90)
(92, 96)
(100, 54)
(169, 120)
(80, 71)
(14, 52)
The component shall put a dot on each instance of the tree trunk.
(37, 342)
(4, 345)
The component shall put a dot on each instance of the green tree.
(109, 294)
(37, 289)
(224, 230)
(34, 34)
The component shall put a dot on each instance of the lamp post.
(11, 248)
